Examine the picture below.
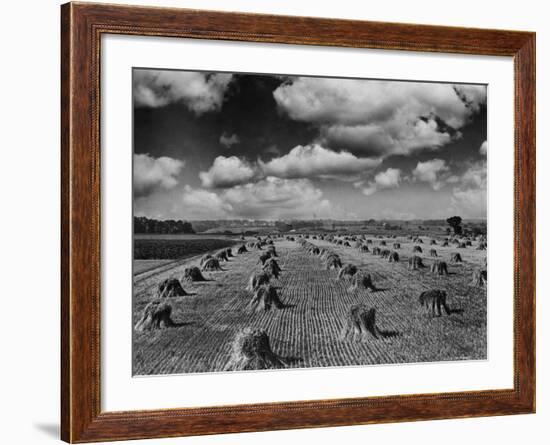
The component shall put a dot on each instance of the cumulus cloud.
(475, 175)
(151, 174)
(276, 197)
(229, 140)
(269, 198)
(472, 203)
(352, 102)
(430, 172)
(200, 92)
(470, 197)
(310, 161)
(382, 117)
(201, 203)
(391, 138)
(388, 179)
(228, 172)
(383, 180)
(316, 161)
(452, 179)
(483, 148)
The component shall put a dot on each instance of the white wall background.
(29, 183)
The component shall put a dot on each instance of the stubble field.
(307, 331)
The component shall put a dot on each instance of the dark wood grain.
(81, 28)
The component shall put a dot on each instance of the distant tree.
(448, 230)
(455, 223)
(187, 227)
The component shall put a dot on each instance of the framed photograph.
(275, 222)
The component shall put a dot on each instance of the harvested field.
(307, 330)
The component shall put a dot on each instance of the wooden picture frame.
(82, 26)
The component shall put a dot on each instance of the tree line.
(146, 225)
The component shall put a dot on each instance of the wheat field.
(307, 331)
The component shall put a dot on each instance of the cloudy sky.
(224, 146)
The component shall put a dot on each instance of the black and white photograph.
(288, 221)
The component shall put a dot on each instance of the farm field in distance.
(311, 326)
(152, 252)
